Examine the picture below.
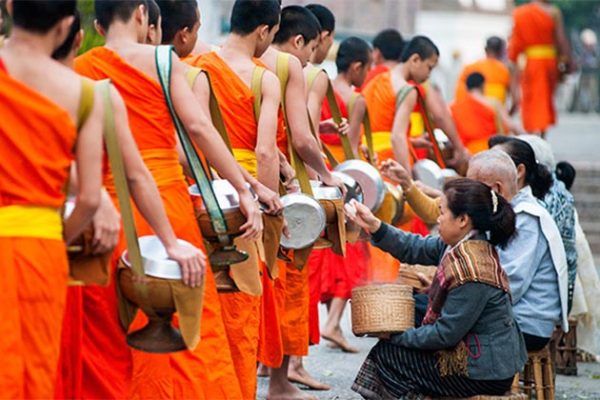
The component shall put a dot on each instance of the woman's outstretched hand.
(362, 216)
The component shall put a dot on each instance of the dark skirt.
(392, 372)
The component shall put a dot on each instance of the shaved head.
(496, 169)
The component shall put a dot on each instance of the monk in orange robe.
(254, 147)
(38, 130)
(207, 371)
(106, 224)
(333, 276)
(496, 73)
(295, 296)
(478, 117)
(387, 50)
(538, 33)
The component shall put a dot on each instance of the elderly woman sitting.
(469, 343)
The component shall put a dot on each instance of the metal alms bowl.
(369, 179)
(353, 190)
(305, 220)
(428, 172)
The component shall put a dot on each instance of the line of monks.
(66, 341)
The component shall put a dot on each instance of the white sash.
(557, 251)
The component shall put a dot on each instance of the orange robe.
(533, 35)
(475, 121)
(242, 312)
(497, 79)
(37, 139)
(206, 372)
(373, 72)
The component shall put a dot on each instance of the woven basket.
(380, 309)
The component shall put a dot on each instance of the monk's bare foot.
(262, 370)
(287, 391)
(297, 374)
(337, 340)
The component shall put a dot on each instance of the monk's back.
(148, 114)
(381, 102)
(37, 130)
(535, 25)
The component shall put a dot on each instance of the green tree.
(91, 38)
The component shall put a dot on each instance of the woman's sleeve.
(459, 314)
(426, 208)
(408, 247)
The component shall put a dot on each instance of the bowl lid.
(305, 220)
(154, 256)
(428, 172)
(369, 179)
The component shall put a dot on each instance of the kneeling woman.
(468, 343)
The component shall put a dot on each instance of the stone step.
(586, 185)
(586, 169)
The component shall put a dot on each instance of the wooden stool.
(563, 347)
(538, 376)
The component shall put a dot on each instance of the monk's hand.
(107, 225)
(192, 262)
(343, 127)
(364, 150)
(460, 157)
(335, 181)
(421, 142)
(254, 225)
(394, 171)
(269, 199)
(362, 216)
(328, 126)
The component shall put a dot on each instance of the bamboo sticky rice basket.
(408, 274)
(380, 309)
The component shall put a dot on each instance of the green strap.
(86, 102)
(163, 64)
(337, 118)
(118, 171)
(366, 125)
(283, 72)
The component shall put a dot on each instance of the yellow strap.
(312, 75)
(215, 113)
(31, 221)
(86, 102)
(191, 75)
(541, 51)
(283, 72)
(256, 87)
(120, 180)
(328, 153)
(337, 118)
(366, 126)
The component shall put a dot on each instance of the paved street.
(576, 139)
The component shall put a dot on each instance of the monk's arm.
(443, 119)
(200, 128)
(304, 143)
(316, 95)
(141, 183)
(267, 157)
(564, 47)
(204, 134)
(399, 128)
(356, 119)
(88, 157)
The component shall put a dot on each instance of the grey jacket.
(479, 314)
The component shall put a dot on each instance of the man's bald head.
(496, 169)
